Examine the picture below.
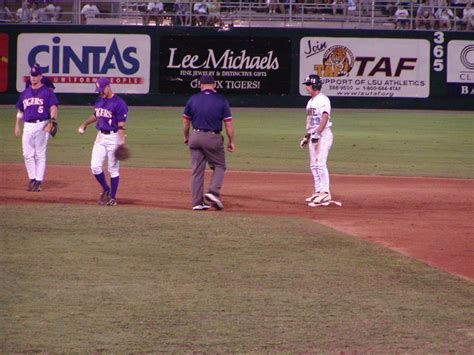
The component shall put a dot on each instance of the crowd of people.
(406, 14)
(31, 12)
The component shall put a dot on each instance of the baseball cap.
(101, 84)
(36, 70)
(311, 79)
(207, 79)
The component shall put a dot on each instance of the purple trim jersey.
(206, 110)
(35, 103)
(109, 112)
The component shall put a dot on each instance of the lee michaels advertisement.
(366, 67)
(239, 65)
(460, 73)
(74, 61)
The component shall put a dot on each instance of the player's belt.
(206, 130)
(34, 121)
(107, 132)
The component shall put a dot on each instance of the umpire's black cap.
(207, 79)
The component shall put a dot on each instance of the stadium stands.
(345, 14)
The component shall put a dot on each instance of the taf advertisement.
(367, 67)
(239, 65)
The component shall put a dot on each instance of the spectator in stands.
(214, 13)
(200, 12)
(351, 7)
(445, 16)
(181, 11)
(402, 18)
(338, 5)
(5, 13)
(53, 11)
(89, 10)
(23, 14)
(390, 8)
(154, 11)
(274, 4)
(468, 16)
(425, 16)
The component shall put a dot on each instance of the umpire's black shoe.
(214, 201)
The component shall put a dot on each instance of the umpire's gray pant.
(206, 147)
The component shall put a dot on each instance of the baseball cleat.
(31, 184)
(312, 204)
(201, 207)
(214, 201)
(312, 197)
(36, 186)
(111, 202)
(322, 198)
(104, 197)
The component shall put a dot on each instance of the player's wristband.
(19, 115)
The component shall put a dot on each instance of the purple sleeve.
(187, 110)
(122, 111)
(226, 110)
(19, 103)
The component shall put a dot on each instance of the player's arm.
(86, 123)
(186, 128)
(19, 118)
(53, 112)
(229, 129)
(121, 132)
(324, 121)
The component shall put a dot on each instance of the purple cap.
(207, 79)
(101, 84)
(36, 70)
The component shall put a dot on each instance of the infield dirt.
(429, 219)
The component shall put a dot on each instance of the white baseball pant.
(104, 148)
(318, 156)
(35, 145)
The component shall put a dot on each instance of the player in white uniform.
(319, 139)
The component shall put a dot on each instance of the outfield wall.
(264, 67)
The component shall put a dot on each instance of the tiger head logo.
(340, 59)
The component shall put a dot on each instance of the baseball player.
(110, 115)
(319, 139)
(36, 105)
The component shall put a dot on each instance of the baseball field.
(391, 271)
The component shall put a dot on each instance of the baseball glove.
(122, 152)
(52, 127)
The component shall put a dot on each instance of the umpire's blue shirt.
(206, 110)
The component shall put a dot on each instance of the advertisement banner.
(240, 65)
(3, 62)
(367, 67)
(73, 61)
(460, 68)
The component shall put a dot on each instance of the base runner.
(319, 139)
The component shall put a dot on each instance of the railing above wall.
(341, 14)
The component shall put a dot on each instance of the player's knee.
(114, 173)
(96, 170)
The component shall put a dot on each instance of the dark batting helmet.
(313, 80)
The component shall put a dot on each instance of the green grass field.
(408, 143)
(87, 279)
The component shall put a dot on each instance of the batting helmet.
(313, 80)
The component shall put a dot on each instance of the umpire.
(206, 111)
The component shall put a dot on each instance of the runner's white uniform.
(318, 152)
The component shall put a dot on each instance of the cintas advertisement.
(73, 61)
(239, 65)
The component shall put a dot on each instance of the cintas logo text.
(91, 59)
